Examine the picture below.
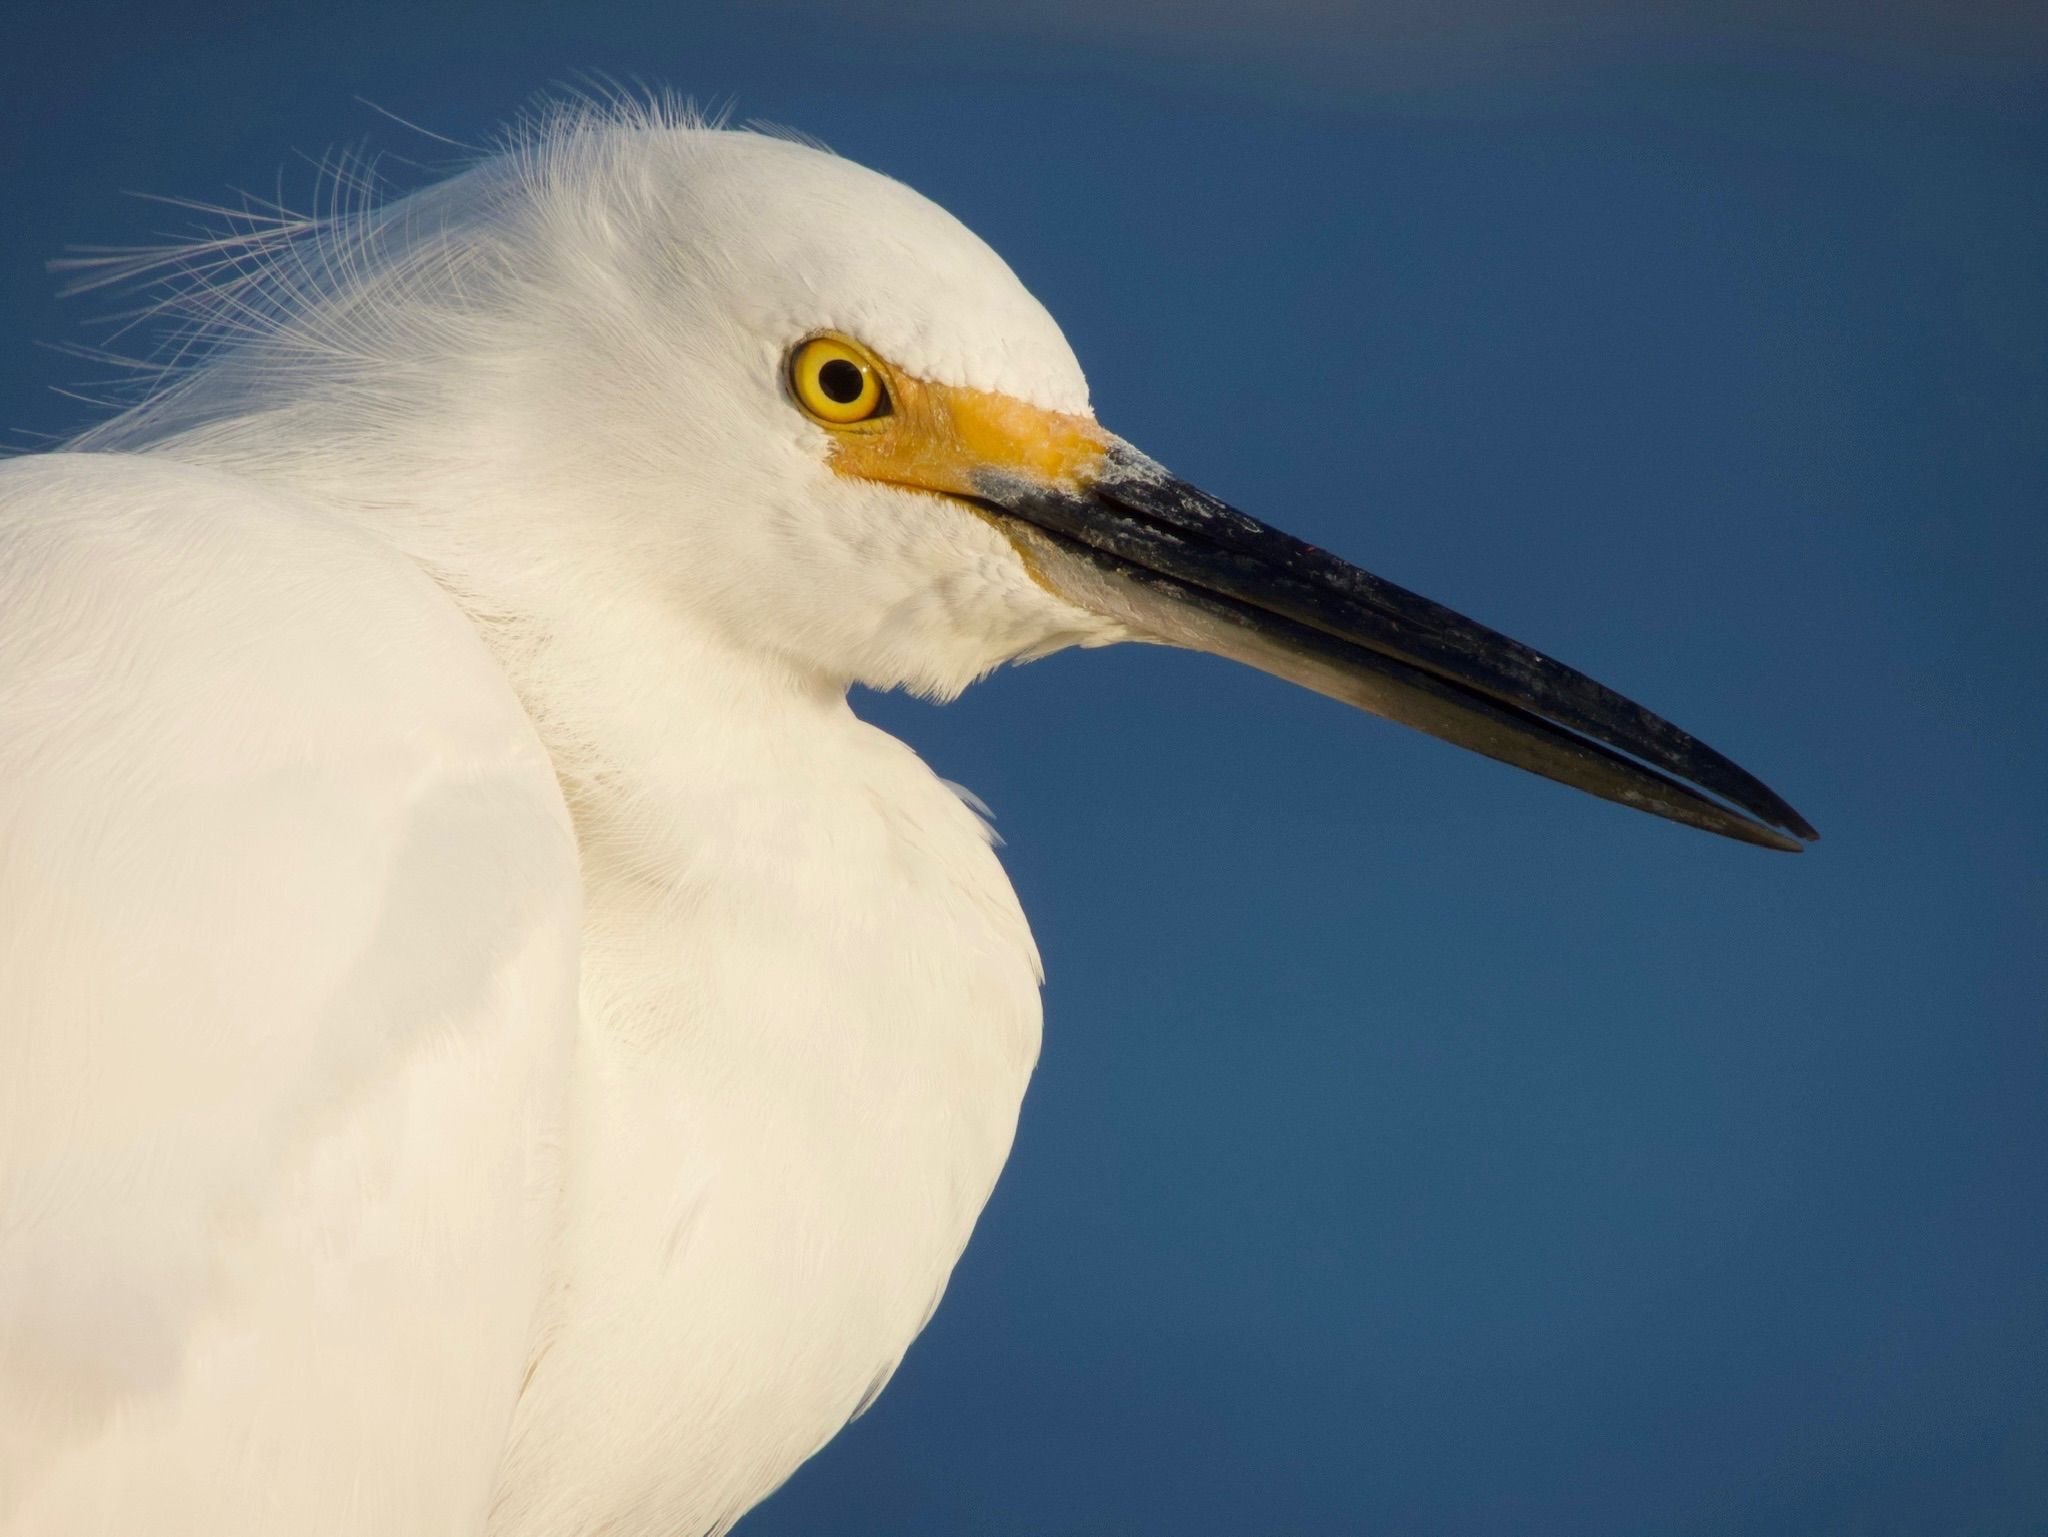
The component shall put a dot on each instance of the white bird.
(489, 1043)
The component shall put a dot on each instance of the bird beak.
(1105, 528)
(1173, 564)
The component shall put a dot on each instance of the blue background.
(1418, 1147)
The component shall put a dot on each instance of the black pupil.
(841, 381)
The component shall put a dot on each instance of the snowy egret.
(492, 1043)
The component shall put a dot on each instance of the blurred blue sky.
(1419, 1147)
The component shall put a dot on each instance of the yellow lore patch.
(935, 437)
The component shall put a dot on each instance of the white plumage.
(489, 1043)
(287, 977)
(326, 1208)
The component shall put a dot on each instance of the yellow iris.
(837, 382)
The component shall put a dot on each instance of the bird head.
(732, 377)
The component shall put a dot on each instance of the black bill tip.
(1177, 565)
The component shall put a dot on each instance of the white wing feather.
(288, 916)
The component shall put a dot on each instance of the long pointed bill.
(1106, 528)
(1175, 564)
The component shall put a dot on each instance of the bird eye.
(837, 382)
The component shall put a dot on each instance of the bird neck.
(658, 725)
